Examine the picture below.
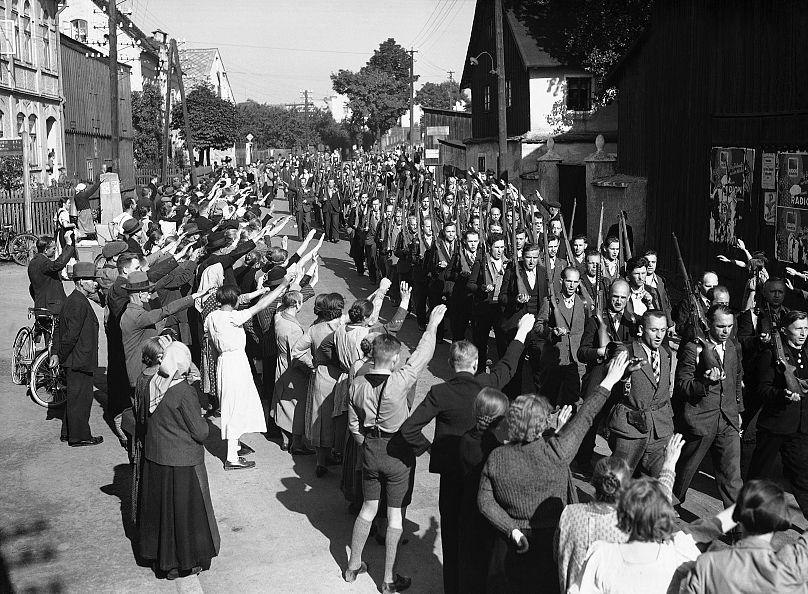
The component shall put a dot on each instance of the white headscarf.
(174, 367)
(212, 278)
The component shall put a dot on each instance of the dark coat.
(78, 334)
(697, 404)
(46, 286)
(642, 393)
(778, 414)
(331, 201)
(175, 431)
(590, 343)
(451, 405)
(512, 310)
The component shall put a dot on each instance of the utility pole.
(305, 94)
(502, 123)
(412, 53)
(167, 114)
(113, 84)
(449, 91)
(451, 72)
(189, 139)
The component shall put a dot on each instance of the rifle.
(793, 384)
(572, 219)
(603, 333)
(624, 232)
(697, 319)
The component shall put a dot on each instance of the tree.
(441, 96)
(276, 126)
(147, 120)
(213, 120)
(593, 34)
(379, 93)
(11, 173)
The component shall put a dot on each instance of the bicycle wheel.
(22, 248)
(47, 385)
(22, 355)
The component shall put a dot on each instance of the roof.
(610, 80)
(448, 112)
(197, 63)
(532, 55)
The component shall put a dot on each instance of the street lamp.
(475, 61)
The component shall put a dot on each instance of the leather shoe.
(245, 450)
(349, 575)
(401, 584)
(242, 464)
(64, 438)
(87, 442)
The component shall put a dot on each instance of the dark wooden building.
(723, 73)
(87, 119)
(444, 133)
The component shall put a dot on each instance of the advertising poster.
(791, 239)
(731, 173)
(768, 171)
(770, 208)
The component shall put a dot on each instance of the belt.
(653, 407)
(376, 432)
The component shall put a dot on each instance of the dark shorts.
(380, 468)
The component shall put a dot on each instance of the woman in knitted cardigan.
(523, 487)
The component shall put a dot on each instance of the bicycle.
(19, 247)
(31, 365)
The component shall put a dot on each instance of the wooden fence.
(143, 176)
(44, 204)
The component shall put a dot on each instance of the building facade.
(29, 82)
(87, 22)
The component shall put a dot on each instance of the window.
(78, 30)
(90, 169)
(33, 147)
(20, 124)
(46, 48)
(15, 16)
(2, 124)
(481, 163)
(508, 96)
(487, 98)
(27, 55)
(579, 93)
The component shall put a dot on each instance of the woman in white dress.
(240, 403)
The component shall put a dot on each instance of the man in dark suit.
(462, 299)
(44, 272)
(782, 427)
(439, 262)
(451, 405)
(132, 230)
(485, 284)
(707, 408)
(641, 422)
(524, 290)
(331, 202)
(77, 353)
(655, 285)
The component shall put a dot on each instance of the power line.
(268, 47)
(443, 28)
(427, 22)
(438, 22)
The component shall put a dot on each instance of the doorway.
(572, 190)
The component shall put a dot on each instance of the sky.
(274, 49)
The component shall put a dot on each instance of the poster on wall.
(768, 169)
(731, 173)
(770, 208)
(791, 238)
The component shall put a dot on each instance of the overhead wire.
(427, 22)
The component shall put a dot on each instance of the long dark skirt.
(177, 526)
(514, 573)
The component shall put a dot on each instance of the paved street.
(65, 520)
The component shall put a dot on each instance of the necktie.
(655, 365)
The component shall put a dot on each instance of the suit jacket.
(477, 281)
(78, 334)
(512, 310)
(631, 314)
(555, 273)
(574, 319)
(331, 200)
(46, 286)
(778, 414)
(451, 405)
(661, 299)
(591, 292)
(697, 405)
(439, 251)
(590, 341)
(463, 297)
(641, 393)
(176, 430)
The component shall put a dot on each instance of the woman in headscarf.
(177, 527)
(212, 278)
(241, 407)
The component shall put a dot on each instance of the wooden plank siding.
(484, 122)
(44, 204)
(721, 73)
(87, 119)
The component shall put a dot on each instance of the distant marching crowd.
(201, 317)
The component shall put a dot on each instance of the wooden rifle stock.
(603, 332)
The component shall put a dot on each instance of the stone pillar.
(599, 165)
(547, 172)
(248, 150)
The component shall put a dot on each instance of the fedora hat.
(274, 277)
(216, 240)
(168, 191)
(84, 270)
(131, 226)
(137, 281)
(191, 229)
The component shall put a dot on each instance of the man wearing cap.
(109, 271)
(77, 353)
(82, 203)
(44, 272)
(138, 325)
(131, 229)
